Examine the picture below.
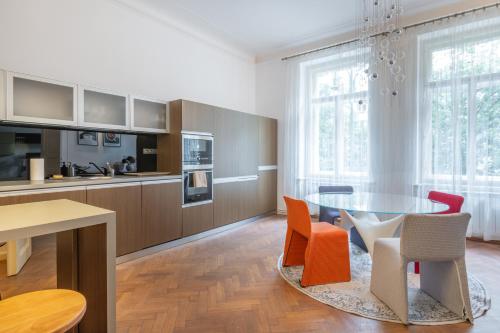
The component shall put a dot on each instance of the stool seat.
(53, 310)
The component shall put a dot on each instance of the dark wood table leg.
(82, 266)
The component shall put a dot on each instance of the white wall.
(107, 44)
(270, 101)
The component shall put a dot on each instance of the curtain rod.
(497, 4)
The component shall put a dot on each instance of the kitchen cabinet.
(248, 205)
(103, 109)
(267, 191)
(3, 93)
(268, 141)
(196, 219)
(236, 140)
(19, 197)
(198, 117)
(42, 101)
(161, 211)
(247, 141)
(125, 200)
(149, 115)
(226, 203)
(226, 150)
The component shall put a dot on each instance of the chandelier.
(379, 33)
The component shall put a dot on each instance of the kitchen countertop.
(23, 185)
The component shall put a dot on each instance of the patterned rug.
(355, 296)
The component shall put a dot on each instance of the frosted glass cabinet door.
(149, 115)
(102, 109)
(37, 100)
(3, 92)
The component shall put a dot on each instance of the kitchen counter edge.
(26, 185)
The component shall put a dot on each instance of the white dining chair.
(370, 228)
(438, 243)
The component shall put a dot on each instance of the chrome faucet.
(103, 171)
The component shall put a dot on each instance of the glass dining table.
(360, 209)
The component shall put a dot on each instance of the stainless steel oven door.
(197, 187)
(197, 150)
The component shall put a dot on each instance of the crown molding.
(209, 39)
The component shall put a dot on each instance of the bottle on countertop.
(64, 169)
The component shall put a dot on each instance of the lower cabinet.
(196, 219)
(267, 191)
(74, 194)
(248, 206)
(226, 203)
(125, 200)
(161, 211)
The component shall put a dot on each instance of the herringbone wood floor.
(229, 283)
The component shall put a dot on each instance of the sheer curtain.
(459, 114)
(441, 132)
(326, 125)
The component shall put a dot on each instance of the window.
(461, 112)
(338, 122)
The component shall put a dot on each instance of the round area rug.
(355, 296)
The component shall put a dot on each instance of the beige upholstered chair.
(438, 242)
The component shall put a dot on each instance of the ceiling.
(259, 27)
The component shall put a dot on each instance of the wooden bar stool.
(53, 310)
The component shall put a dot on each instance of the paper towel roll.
(37, 171)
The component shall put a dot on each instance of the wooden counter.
(86, 253)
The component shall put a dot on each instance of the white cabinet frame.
(81, 109)
(147, 129)
(10, 116)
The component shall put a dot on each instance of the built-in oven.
(197, 187)
(197, 150)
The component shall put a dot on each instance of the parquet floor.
(229, 283)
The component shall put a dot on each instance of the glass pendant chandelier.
(379, 32)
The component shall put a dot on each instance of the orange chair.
(322, 248)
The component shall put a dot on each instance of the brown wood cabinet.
(268, 141)
(75, 194)
(125, 200)
(248, 206)
(267, 188)
(226, 153)
(161, 212)
(196, 219)
(226, 203)
(198, 117)
(247, 141)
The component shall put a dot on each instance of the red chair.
(454, 203)
(322, 248)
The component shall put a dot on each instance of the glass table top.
(376, 203)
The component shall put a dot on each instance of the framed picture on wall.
(87, 138)
(112, 140)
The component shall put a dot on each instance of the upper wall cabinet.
(268, 141)
(104, 109)
(198, 117)
(148, 115)
(3, 90)
(36, 100)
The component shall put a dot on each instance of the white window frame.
(311, 72)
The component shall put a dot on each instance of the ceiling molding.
(209, 39)
(412, 15)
